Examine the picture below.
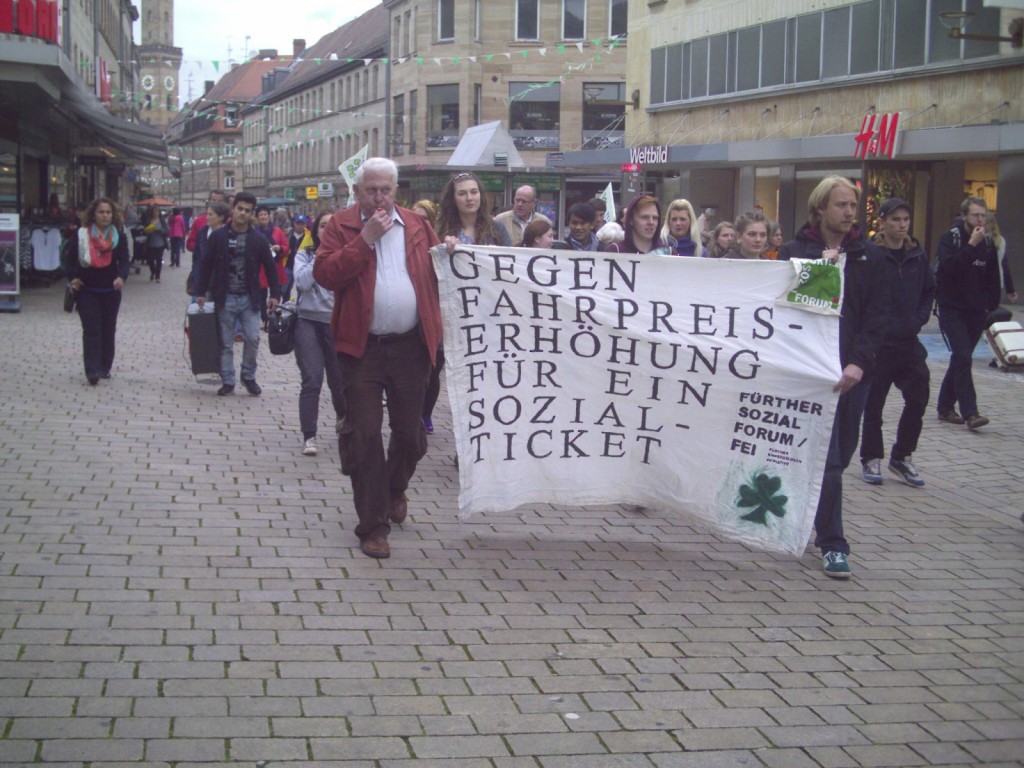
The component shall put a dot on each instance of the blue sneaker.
(836, 565)
(872, 469)
(907, 471)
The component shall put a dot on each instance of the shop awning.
(132, 142)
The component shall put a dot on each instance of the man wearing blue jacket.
(967, 289)
(901, 360)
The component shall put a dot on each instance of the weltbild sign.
(648, 155)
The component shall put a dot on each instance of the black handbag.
(281, 331)
(70, 297)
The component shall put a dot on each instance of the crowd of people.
(369, 319)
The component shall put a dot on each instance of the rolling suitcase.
(203, 339)
(1007, 343)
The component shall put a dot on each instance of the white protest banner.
(676, 383)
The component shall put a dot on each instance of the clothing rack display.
(42, 243)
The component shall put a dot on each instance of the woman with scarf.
(97, 266)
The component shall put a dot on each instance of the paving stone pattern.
(179, 587)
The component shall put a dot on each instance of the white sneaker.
(309, 447)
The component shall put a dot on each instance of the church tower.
(159, 64)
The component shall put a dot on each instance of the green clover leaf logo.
(761, 495)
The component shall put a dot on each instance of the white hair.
(378, 164)
(611, 233)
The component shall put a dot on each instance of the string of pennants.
(608, 44)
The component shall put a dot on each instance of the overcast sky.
(204, 29)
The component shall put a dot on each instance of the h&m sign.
(879, 136)
(32, 18)
(648, 155)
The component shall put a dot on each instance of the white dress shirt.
(394, 298)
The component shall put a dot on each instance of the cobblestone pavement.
(179, 586)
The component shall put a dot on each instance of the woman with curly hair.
(97, 266)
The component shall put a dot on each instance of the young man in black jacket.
(231, 271)
(901, 360)
(832, 208)
(967, 290)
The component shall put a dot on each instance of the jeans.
(905, 367)
(962, 329)
(315, 355)
(828, 521)
(177, 243)
(399, 368)
(238, 308)
(98, 312)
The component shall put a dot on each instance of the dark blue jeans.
(828, 522)
(962, 329)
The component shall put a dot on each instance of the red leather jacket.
(346, 265)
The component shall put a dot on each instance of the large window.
(527, 24)
(604, 113)
(445, 19)
(856, 39)
(574, 19)
(534, 115)
(617, 14)
(442, 115)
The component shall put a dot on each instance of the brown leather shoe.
(399, 509)
(376, 545)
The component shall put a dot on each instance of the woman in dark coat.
(97, 266)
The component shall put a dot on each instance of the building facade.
(329, 102)
(748, 105)
(69, 129)
(552, 73)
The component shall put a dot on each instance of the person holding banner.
(386, 322)
(582, 220)
(722, 238)
(642, 223)
(538, 234)
(751, 236)
(830, 231)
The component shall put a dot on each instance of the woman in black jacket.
(97, 266)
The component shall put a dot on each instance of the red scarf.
(101, 247)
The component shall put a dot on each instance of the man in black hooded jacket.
(832, 208)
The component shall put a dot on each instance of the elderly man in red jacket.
(387, 328)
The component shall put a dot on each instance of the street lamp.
(956, 22)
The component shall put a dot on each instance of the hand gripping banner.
(680, 384)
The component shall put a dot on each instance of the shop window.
(808, 47)
(442, 115)
(836, 24)
(527, 26)
(718, 54)
(604, 113)
(699, 68)
(911, 19)
(748, 50)
(574, 14)
(864, 18)
(534, 115)
(445, 19)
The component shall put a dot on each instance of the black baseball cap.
(892, 204)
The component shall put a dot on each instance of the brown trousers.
(399, 367)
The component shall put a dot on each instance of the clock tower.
(159, 64)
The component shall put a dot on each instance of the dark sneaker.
(225, 389)
(976, 421)
(907, 471)
(252, 387)
(872, 469)
(836, 566)
(93, 380)
(951, 417)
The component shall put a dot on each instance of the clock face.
(148, 82)
(168, 83)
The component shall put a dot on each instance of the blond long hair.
(682, 204)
